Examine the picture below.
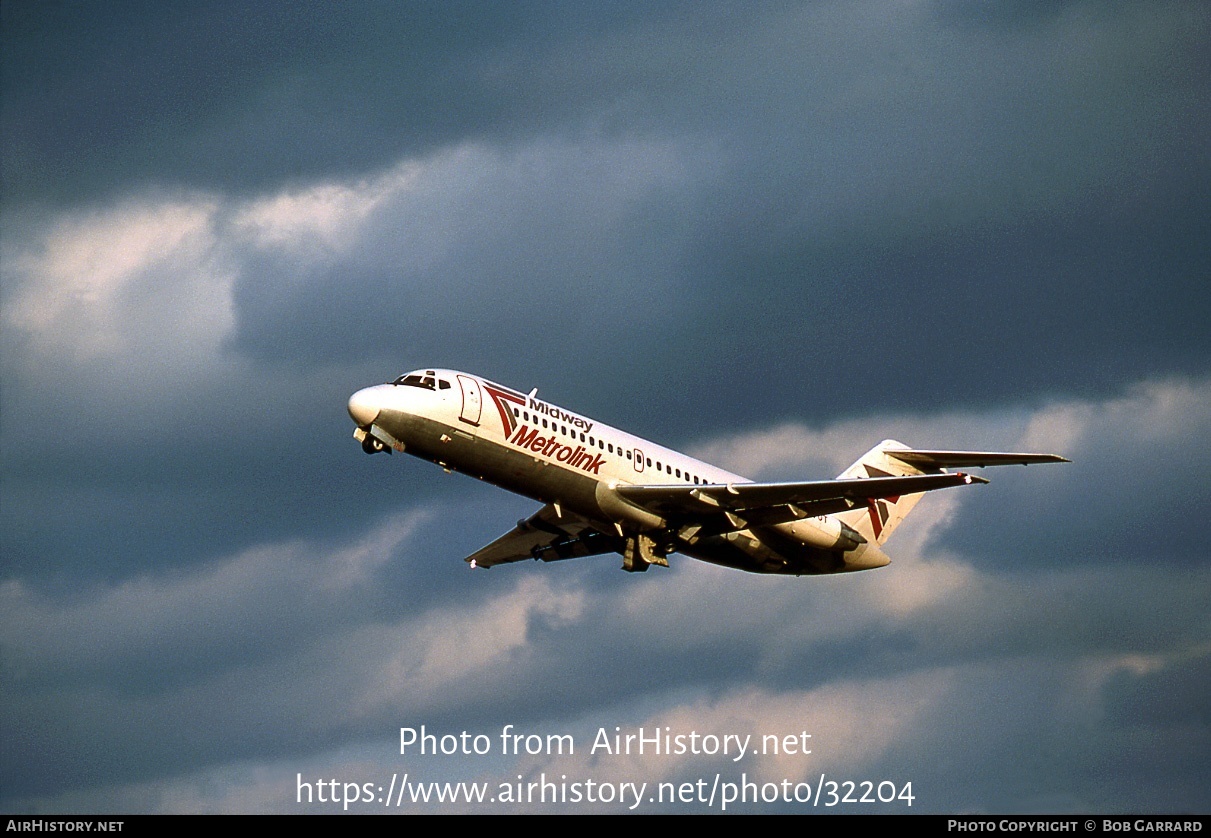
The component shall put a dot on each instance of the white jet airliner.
(606, 491)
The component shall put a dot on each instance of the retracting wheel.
(373, 445)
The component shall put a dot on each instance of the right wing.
(549, 534)
(766, 503)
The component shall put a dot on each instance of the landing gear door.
(473, 403)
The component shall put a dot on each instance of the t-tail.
(880, 517)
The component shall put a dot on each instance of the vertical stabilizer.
(879, 518)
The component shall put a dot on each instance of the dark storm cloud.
(962, 210)
(194, 94)
(982, 218)
(826, 224)
(482, 260)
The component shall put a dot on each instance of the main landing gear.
(641, 552)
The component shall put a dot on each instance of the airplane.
(606, 491)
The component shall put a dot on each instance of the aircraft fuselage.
(605, 490)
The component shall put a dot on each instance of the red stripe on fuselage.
(499, 398)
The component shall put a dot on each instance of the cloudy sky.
(767, 234)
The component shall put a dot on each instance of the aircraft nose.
(364, 406)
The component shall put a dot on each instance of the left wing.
(549, 534)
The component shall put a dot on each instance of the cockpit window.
(413, 379)
(426, 379)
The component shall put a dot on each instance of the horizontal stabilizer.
(926, 460)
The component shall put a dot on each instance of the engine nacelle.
(825, 533)
(621, 511)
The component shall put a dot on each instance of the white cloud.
(1171, 411)
(422, 659)
(850, 723)
(140, 278)
(326, 215)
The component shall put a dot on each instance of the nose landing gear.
(371, 444)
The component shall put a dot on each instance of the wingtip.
(1045, 459)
